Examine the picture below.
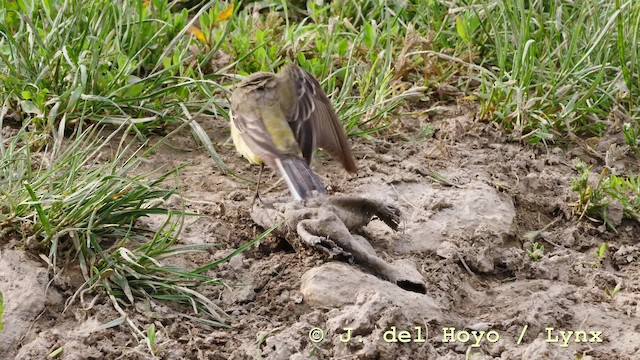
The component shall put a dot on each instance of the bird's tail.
(301, 180)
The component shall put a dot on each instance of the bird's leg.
(257, 194)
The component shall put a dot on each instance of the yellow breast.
(241, 146)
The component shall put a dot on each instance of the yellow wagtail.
(280, 119)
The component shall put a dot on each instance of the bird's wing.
(315, 123)
(254, 134)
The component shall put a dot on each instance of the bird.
(280, 119)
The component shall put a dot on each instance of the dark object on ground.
(328, 223)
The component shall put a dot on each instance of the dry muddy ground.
(467, 237)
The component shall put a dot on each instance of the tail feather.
(301, 180)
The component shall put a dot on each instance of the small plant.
(426, 131)
(536, 252)
(600, 252)
(631, 134)
(151, 339)
(594, 199)
(599, 255)
(55, 353)
(612, 293)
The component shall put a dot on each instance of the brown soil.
(468, 241)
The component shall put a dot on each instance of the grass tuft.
(597, 200)
(81, 203)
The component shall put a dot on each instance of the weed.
(55, 353)
(151, 339)
(536, 252)
(594, 200)
(631, 133)
(600, 252)
(612, 293)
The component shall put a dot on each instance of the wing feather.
(315, 123)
